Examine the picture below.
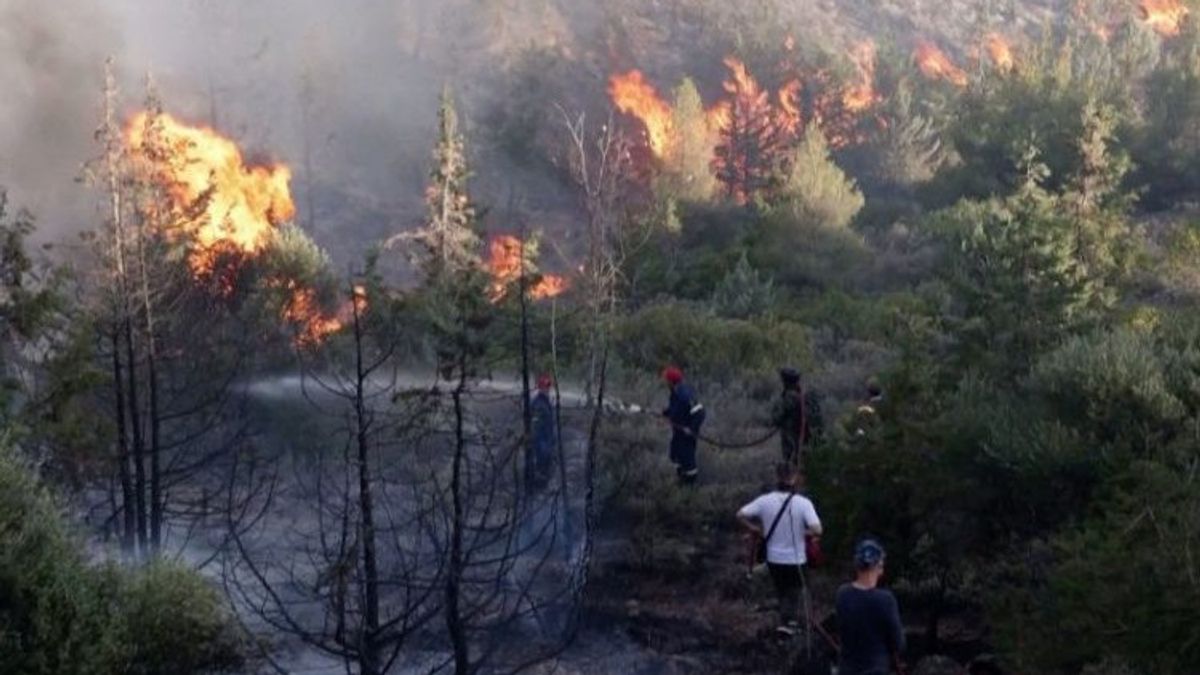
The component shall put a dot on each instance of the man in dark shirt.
(868, 617)
(797, 415)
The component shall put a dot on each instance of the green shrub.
(60, 616)
(709, 346)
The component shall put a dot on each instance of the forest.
(290, 386)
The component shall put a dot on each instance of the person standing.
(686, 415)
(544, 433)
(868, 617)
(796, 415)
(784, 518)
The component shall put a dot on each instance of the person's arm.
(750, 518)
(812, 523)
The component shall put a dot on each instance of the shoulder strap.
(779, 516)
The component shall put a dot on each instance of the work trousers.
(789, 587)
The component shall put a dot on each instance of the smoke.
(51, 59)
(345, 93)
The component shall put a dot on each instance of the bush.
(708, 346)
(60, 616)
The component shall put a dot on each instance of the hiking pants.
(789, 586)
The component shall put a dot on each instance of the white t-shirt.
(786, 546)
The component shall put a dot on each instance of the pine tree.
(816, 190)
(688, 165)
(748, 149)
(448, 243)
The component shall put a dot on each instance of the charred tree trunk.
(455, 623)
(138, 435)
(370, 654)
(155, 449)
(526, 404)
(129, 528)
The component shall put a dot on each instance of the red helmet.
(544, 382)
(672, 375)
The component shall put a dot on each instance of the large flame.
(1000, 51)
(1164, 16)
(303, 311)
(505, 263)
(633, 95)
(243, 205)
(245, 202)
(934, 64)
(861, 94)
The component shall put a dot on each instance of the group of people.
(787, 524)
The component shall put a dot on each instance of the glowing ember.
(1000, 51)
(633, 95)
(935, 65)
(246, 203)
(1164, 16)
(862, 95)
(505, 264)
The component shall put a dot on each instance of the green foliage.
(1169, 139)
(710, 347)
(1114, 387)
(1011, 264)
(687, 170)
(911, 149)
(816, 191)
(60, 616)
(744, 293)
(1121, 586)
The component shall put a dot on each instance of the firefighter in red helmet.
(686, 415)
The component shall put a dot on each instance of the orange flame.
(505, 263)
(633, 95)
(935, 65)
(313, 326)
(1000, 51)
(243, 206)
(1164, 16)
(246, 203)
(862, 95)
(790, 115)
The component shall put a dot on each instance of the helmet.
(673, 375)
(790, 376)
(544, 381)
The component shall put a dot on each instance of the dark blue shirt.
(683, 410)
(870, 629)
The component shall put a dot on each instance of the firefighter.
(686, 415)
(544, 433)
(797, 415)
(866, 415)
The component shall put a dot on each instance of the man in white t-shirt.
(785, 546)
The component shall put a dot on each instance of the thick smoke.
(51, 59)
(345, 93)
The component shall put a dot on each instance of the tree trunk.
(526, 405)
(139, 440)
(128, 541)
(370, 652)
(454, 620)
(156, 498)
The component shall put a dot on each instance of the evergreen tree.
(749, 143)
(816, 190)
(911, 149)
(447, 243)
(1012, 265)
(688, 165)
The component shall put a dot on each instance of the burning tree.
(747, 154)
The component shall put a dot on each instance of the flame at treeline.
(1164, 16)
(506, 256)
(934, 64)
(834, 109)
(243, 205)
